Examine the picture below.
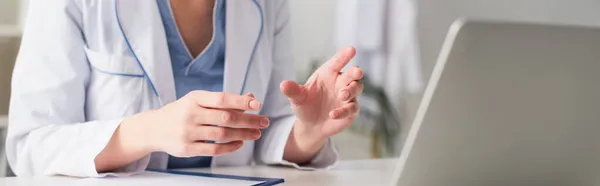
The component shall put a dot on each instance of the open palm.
(326, 104)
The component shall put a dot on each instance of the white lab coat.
(65, 107)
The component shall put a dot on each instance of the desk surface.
(360, 172)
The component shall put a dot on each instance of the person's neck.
(200, 7)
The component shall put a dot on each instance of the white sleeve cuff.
(128, 170)
(271, 147)
(136, 167)
(326, 158)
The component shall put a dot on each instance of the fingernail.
(264, 122)
(349, 48)
(333, 114)
(359, 73)
(255, 104)
(257, 134)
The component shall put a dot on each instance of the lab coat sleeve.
(48, 132)
(270, 148)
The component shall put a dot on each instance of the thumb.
(295, 92)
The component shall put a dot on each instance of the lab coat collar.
(142, 25)
(242, 32)
(243, 25)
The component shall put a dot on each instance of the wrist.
(302, 146)
(308, 134)
(125, 146)
(137, 132)
(307, 138)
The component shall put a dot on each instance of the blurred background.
(397, 40)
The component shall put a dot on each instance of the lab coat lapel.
(143, 28)
(242, 29)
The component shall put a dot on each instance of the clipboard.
(266, 181)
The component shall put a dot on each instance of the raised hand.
(326, 104)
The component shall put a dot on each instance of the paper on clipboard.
(157, 178)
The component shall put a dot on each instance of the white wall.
(9, 10)
(312, 26)
(437, 15)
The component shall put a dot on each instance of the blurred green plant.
(378, 119)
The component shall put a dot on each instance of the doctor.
(113, 87)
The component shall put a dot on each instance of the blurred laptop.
(509, 104)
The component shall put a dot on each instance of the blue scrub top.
(204, 72)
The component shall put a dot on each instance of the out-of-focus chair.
(10, 39)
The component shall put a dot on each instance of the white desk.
(363, 172)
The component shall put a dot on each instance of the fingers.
(239, 110)
(351, 91)
(346, 111)
(223, 100)
(230, 118)
(352, 74)
(341, 59)
(210, 149)
(214, 133)
(294, 92)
